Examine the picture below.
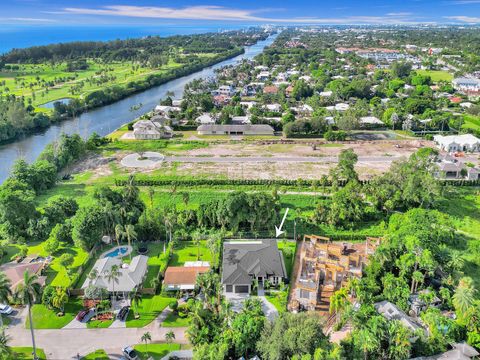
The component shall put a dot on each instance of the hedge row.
(278, 182)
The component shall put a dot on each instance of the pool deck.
(129, 250)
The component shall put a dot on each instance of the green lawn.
(279, 300)
(150, 307)
(44, 318)
(156, 351)
(288, 250)
(176, 320)
(25, 353)
(99, 324)
(188, 251)
(96, 355)
(436, 75)
(471, 122)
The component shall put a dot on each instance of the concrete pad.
(75, 324)
(118, 324)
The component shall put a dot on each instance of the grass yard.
(471, 122)
(96, 355)
(288, 250)
(99, 324)
(44, 318)
(436, 75)
(180, 319)
(187, 251)
(156, 351)
(279, 300)
(150, 307)
(25, 353)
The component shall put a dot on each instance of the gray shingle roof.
(242, 259)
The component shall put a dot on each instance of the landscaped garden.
(45, 318)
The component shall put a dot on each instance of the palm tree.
(464, 295)
(338, 303)
(119, 233)
(136, 299)
(5, 292)
(151, 193)
(131, 235)
(5, 350)
(112, 276)
(196, 236)
(27, 293)
(60, 298)
(367, 341)
(146, 337)
(92, 276)
(169, 337)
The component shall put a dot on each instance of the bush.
(173, 306)
(331, 135)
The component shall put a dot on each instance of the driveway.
(237, 301)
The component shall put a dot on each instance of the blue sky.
(155, 12)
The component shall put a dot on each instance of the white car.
(5, 309)
(130, 353)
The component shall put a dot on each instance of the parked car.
(5, 309)
(81, 315)
(123, 313)
(130, 353)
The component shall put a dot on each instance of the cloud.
(399, 14)
(465, 19)
(210, 12)
(25, 19)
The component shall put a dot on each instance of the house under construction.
(323, 267)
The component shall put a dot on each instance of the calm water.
(106, 119)
(51, 104)
(21, 36)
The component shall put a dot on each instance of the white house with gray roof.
(130, 278)
(247, 260)
(246, 129)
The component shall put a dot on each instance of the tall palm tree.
(338, 303)
(131, 235)
(27, 293)
(60, 298)
(119, 233)
(5, 292)
(196, 237)
(146, 337)
(112, 276)
(92, 276)
(136, 298)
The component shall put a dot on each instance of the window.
(229, 288)
(241, 289)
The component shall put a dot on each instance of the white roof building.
(342, 107)
(151, 130)
(273, 107)
(130, 275)
(370, 120)
(205, 119)
(453, 143)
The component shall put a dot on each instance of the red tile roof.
(183, 275)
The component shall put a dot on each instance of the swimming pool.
(118, 251)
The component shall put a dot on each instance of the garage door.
(241, 289)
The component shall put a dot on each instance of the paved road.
(247, 159)
(64, 344)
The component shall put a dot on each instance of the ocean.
(21, 36)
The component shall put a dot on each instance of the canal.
(106, 119)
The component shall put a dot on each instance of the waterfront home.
(151, 130)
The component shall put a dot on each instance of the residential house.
(417, 304)
(131, 276)
(273, 107)
(459, 351)
(371, 122)
(246, 261)
(263, 76)
(205, 119)
(271, 90)
(449, 167)
(247, 129)
(225, 90)
(303, 109)
(151, 130)
(467, 86)
(241, 120)
(14, 271)
(323, 268)
(391, 312)
(184, 277)
(454, 143)
(166, 110)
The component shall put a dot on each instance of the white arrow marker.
(278, 230)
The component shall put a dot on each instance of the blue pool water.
(116, 252)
